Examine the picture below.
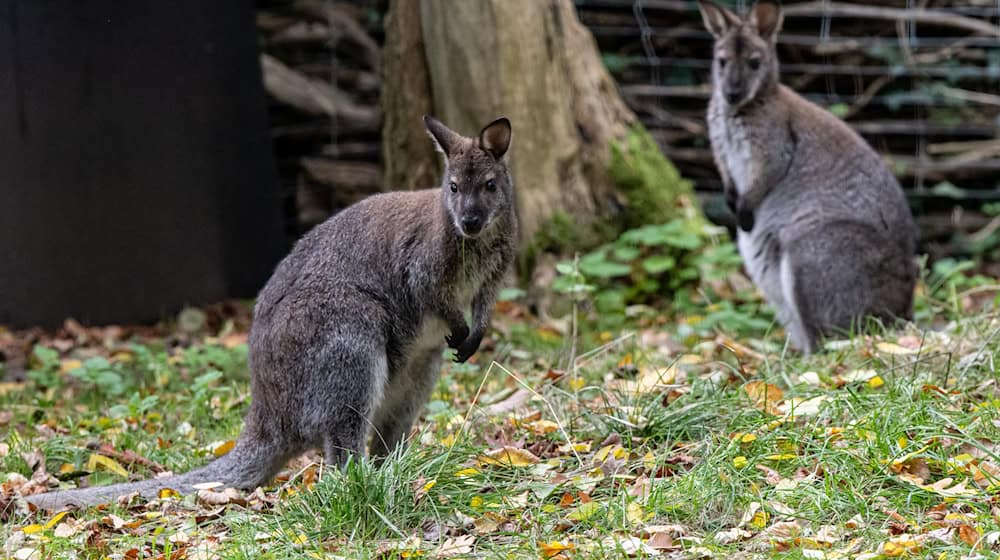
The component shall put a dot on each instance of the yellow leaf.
(67, 366)
(875, 382)
(649, 461)
(747, 438)
(508, 457)
(476, 502)
(626, 361)
(759, 519)
(903, 545)
(167, 493)
(55, 519)
(467, 472)
(576, 383)
(448, 440)
(542, 427)
(223, 448)
(32, 529)
(634, 513)
(781, 457)
(764, 396)
(96, 462)
(602, 453)
(739, 462)
(585, 511)
(652, 380)
(553, 548)
(428, 486)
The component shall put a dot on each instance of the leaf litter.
(616, 487)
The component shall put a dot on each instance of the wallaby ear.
(717, 19)
(495, 137)
(766, 17)
(445, 139)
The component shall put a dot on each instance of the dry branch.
(919, 15)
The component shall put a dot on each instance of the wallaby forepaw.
(457, 337)
(468, 348)
(745, 219)
(732, 199)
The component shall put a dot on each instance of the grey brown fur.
(348, 333)
(824, 227)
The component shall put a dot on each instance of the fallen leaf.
(227, 496)
(968, 535)
(765, 397)
(894, 349)
(660, 541)
(100, 462)
(554, 548)
(903, 545)
(508, 457)
(455, 546)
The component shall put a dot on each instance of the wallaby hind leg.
(840, 276)
(800, 333)
(403, 401)
(350, 377)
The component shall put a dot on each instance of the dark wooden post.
(136, 173)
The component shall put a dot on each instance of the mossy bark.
(530, 60)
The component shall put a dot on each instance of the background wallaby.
(825, 229)
(348, 333)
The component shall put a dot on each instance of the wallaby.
(824, 227)
(348, 334)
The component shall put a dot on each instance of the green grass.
(693, 456)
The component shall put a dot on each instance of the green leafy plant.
(688, 262)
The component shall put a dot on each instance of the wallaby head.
(476, 187)
(745, 63)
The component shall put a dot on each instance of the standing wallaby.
(348, 333)
(825, 229)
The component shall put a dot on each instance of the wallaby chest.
(733, 146)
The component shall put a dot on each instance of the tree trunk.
(469, 62)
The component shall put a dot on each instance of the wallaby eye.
(454, 186)
(754, 63)
(491, 185)
(722, 61)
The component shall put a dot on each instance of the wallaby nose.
(733, 97)
(471, 224)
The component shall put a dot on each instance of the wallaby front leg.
(482, 309)
(729, 191)
(456, 324)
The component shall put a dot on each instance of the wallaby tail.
(248, 465)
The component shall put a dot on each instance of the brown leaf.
(660, 541)
(765, 397)
(227, 496)
(455, 546)
(968, 535)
